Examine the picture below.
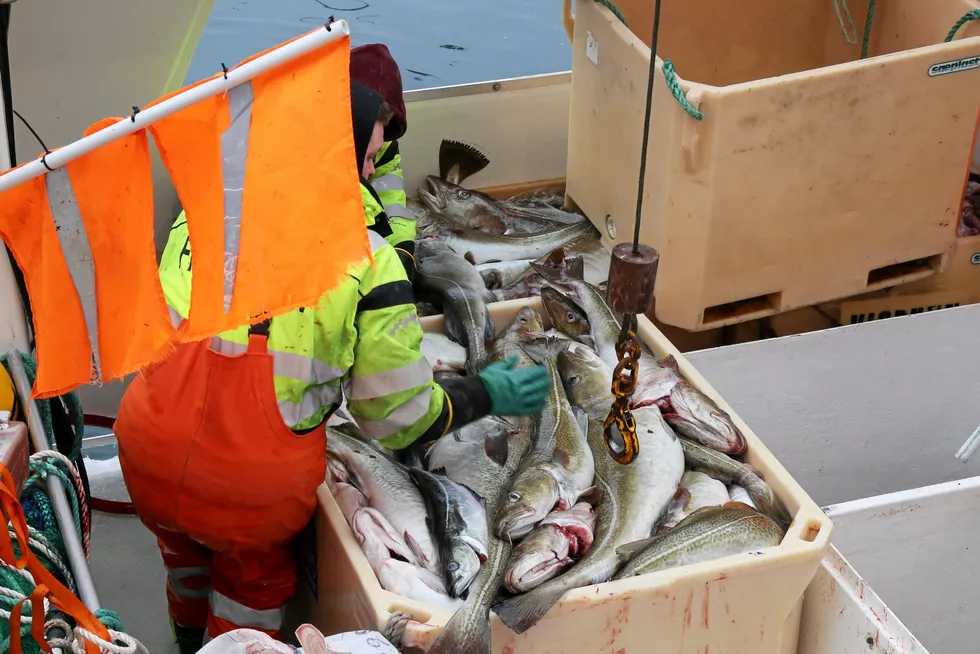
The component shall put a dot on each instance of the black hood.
(365, 105)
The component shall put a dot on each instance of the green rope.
(613, 8)
(110, 619)
(670, 76)
(42, 468)
(867, 30)
(970, 15)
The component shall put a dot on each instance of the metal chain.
(619, 429)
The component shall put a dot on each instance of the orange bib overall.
(222, 482)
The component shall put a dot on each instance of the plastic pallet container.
(813, 175)
(740, 604)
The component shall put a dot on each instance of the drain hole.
(733, 312)
(900, 272)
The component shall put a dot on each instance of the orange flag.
(267, 178)
(83, 236)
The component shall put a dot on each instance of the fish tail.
(523, 612)
(464, 634)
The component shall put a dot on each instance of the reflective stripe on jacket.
(389, 183)
(362, 337)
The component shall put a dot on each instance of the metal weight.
(632, 278)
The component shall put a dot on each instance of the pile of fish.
(969, 224)
(520, 510)
(487, 246)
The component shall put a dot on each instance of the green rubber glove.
(516, 392)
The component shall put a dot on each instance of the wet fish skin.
(549, 548)
(467, 319)
(729, 471)
(560, 467)
(694, 415)
(532, 282)
(443, 354)
(388, 488)
(632, 498)
(485, 248)
(696, 491)
(509, 342)
(739, 494)
(587, 380)
(501, 274)
(468, 631)
(415, 583)
(471, 209)
(459, 525)
(707, 534)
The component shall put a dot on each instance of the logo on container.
(947, 67)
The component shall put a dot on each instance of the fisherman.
(386, 205)
(222, 445)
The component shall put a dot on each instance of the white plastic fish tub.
(920, 549)
(750, 603)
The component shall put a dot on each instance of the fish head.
(583, 374)
(525, 322)
(463, 207)
(460, 565)
(530, 499)
(694, 415)
(536, 559)
(565, 314)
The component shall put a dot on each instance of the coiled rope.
(44, 540)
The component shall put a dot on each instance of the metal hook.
(224, 69)
(44, 162)
(327, 25)
(136, 110)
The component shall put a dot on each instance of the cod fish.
(479, 247)
(707, 534)
(729, 471)
(585, 315)
(465, 297)
(415, 583)
(632, 498)
(550, 547)
(458, 453)
(469, 209)
(560, 467)
(459, 523)
(388, 488)
(587, 380)
(443, 354)
(468, 631)
(697, 490)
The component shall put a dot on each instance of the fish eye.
(514, 497)
(462, 195)
(574, 379)
(571, 317)
(452, 567)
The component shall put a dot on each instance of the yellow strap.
(449, 422)
(7, 396)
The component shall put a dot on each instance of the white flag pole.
(142, 119)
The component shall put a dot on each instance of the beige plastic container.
(814, 175)
(738, 605)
